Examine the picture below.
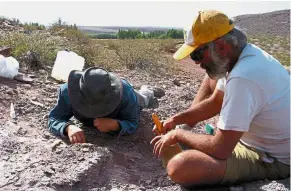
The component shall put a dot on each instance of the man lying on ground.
(250, 90)
(99, 99)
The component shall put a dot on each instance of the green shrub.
(33, 26)
(144, 54)
(43, 44)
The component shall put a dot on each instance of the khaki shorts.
(245, 165)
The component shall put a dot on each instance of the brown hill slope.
(275, 23)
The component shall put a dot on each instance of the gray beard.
(218, 68)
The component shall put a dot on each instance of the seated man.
(252, 95)
(97, 98)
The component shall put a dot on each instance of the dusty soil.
(33, 159)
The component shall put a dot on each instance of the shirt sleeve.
(128, 116)
(221, 84)
(241, 103)
(60, 115)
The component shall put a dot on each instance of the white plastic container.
(65, 62)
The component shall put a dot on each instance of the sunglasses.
(198, 54)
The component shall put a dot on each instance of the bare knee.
(175, 167)
(193, 167)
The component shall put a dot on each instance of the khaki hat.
(207, 26)
(94, 92)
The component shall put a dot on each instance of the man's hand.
(106, 124)
(168, 125)
(75, 134)
(161, 142)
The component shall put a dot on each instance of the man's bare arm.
(202, 111)
(206, 89)
(219, 146)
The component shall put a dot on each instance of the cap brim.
(184, 51)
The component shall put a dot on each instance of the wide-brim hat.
(95, 92)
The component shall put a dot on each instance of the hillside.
(275, 23)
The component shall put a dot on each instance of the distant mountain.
(272, 23)
(114, 29)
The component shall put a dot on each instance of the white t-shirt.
(257, 102)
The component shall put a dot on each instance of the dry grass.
(146, 55)
(277, 46)
(140, 54)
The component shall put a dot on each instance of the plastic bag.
(9, 67)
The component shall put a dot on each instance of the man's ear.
(222, 47)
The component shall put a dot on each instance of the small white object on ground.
(37, 103)
(12, 111)
(115, 189)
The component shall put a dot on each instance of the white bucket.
(65, 63)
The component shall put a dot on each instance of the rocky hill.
(275, 23)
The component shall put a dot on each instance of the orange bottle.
(169, 152)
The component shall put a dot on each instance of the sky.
(129, 13)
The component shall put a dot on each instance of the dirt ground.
(31, 158)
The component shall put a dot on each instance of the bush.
(162, 36)
(144, 54)
(43, 44)
(102, 36)
(33, 26)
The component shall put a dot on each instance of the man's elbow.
(221, 154)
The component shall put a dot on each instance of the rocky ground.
(33, 159)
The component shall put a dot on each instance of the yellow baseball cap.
(207, 26)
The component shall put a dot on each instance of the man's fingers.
(75, 140)
(157, 148)
(71, 139)
(82, 136)
(79, 137)
(156, 139)
(162, 148)
(166, 129)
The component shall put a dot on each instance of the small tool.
(157, 122)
